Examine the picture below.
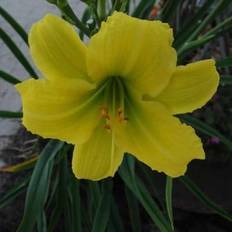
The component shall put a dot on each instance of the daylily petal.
(56, 49)
(158, 139)
(190, 87)
(61, 110)
(137, 50)
(98, 158)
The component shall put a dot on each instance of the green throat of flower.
(113, 108)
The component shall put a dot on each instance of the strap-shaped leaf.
(38, 188)
(10, 114)
(139, 190)
(17, 53)
(17, 27)
(204, 199)
(14, 192)
(9, 78)
(168, 198)
(206, 129)
(102, 215)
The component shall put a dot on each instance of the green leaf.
(71, 17)
(17, 53)
(102, 215)
(39, 185)
(75, 204)
(134, 211)
(115, 221)
(14, 192)
(188, 46)
(206, 129)
(191, 23)
(225, 62)
(85, 17)
(168, 198)
(215, 11)
(204, 199)
(64, 196)
(142, 9)
(169, 10)
(17, 27)
(138, 189)
(94, 196)
(10, 114)
(9, 78)
(220, 28)
(42, 222)
(24, 165)
(214, 33)
(226, 80)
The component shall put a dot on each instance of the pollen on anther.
(104, 113)
(107, 126)
(121, 117)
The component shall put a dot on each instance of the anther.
(104, 113)
(121, 117)
(107, 126)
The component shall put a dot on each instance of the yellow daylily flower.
(116, 94)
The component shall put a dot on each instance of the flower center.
(113, 110)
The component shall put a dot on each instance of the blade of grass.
(206, 129)
(138, 189)
(168, 198)
(17, 27)
(17, 53)
(204, 199)
(38, 188)
(10, 114)
(9, 78)
(102, 215)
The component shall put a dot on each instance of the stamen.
(105, 113)
(121, 116)
(107, 126)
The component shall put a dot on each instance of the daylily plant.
(116, 94)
